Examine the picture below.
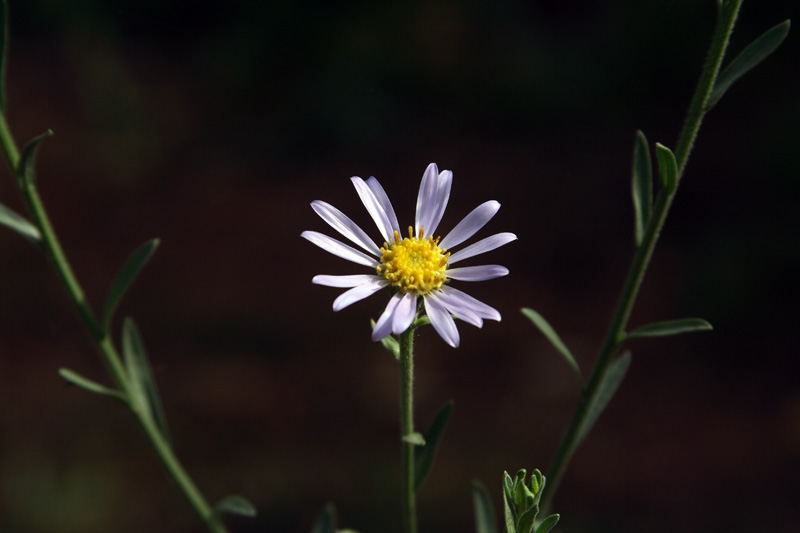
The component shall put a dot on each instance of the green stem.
(697, 109)
(52, 249)
(407, 428)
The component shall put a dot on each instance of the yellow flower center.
(415, 264)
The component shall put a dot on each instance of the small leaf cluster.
(521, 502)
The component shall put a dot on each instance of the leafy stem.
(616, 332)
(407, 428)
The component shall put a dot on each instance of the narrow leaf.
(326, 522)
(526, 521)
(641, 186)
(3, 53)
(88, 384)
(13, 220)
(144, 394)
(551, 335)
(548, 523)
(389, 343)
(234, 504)
(667, 168)
(26, 172)
(485, 521)
(125, 277)
(508, 500)
(605, 392)
(751, 56)
(423, 460)
(415, 438)
(670, 327)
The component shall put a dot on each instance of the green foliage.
(125, 277)
(235, 505)
(670, 327)
(751, 56)
(641, 186)
(88, 384)
(605, 391)
(144, 395)
(667, 169)
(26, 171)
(521, 503)
(485, 521)
(12, 220)
(424, 456)
(551, 335)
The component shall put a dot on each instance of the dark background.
(214, 125)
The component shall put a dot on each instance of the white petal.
(470, 224)
(342, 223)
(458, 309)
(344, 281)
(434, 193)
(454, 297)
(441, 321)
(477, 273)
(358, 293)
(482, 246)
(383, 199)
(329, 244)
(374, 207)
(404, 313)
(383, 326)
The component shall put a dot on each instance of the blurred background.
(214, 125)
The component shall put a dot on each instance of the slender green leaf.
(13, 220)
(605, 391)
(670, 327)
(751, 56)
(667, 168)
(548, 523)
(390, 343)
(485, 521)
(26, 171)
(326, 522)
(423, 459)
(641, 186)
(125, 277)
(92, 386)
(508, 499)
(144, 394)
(551, 335)
(233, 504)
(415, 438)
(3, 53)
(526, 521)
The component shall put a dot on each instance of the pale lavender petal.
(329, 244)
(383, 199)
(426, 197)
(374, 207)
(470, 224)
(441, 321)
(342, 223)
(482, 246)
(404, 313)
(358, 293)
(383, 326)
(458, 309)
(344, 281)
(455, 297)
(443, 195)
(477, 273)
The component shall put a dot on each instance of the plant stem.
(697, 109)
(101, 339)
(407, 428)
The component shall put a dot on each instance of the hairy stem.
(407, 428)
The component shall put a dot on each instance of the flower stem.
(407, 428)
(729, 10)
(101, 339)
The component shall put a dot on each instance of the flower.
(417, 266)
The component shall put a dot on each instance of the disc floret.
(414, 265)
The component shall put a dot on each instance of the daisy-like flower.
(413, 267)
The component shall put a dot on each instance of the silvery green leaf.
(234, 504)
(415, 438)
(526, 521)
(485, 521)
(508, 503)
(670, 327)
(26, 171)
(551, 335)
(90, 385)
(667, 168)
(641, 186)
(751, 56)
(12, 220)
(423, 459)
(125, 277)
(605, 391)
(548, 523)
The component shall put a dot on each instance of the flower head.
(413, 267)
